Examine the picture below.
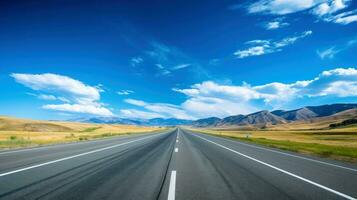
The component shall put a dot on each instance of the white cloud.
(340, 72)
(80, 108)
(332, 51)
(58, 83)
(281, 7)
(276, 23)
(136, 61)
(341, 89)
(212, 99)
(261, 47)
(181, 66)
(135, 102)
(125, 92)
(328, 53)
(326, 10)
(342, 18)
(47, 97)
(330, 7)
(163, 60)
(83, 98)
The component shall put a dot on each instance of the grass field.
(15, 133)
(340, 143)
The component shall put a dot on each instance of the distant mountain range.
(261, 118)
(143, 122)
(277, 117)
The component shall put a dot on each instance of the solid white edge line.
(39, 148)
(172, 186)
(281, 170)
(74, 156)
(176, 149)
(286, 154)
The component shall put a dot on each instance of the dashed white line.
(172, 186)
(281, 170)
(176, 150)
(74, 156)
(176, 141)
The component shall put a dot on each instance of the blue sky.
(141, 59)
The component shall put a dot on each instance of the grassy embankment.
(15, 133)
(338, 143)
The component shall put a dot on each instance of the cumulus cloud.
(213, 99)
(261, 47)
(326, 10)
(82, 98)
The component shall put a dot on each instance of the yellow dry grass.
(23, 132)
(339, 143)
(338, 137)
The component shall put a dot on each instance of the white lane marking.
(281, 170)
(288, 154)
(63, 144)
(176, 150)
(172, 186)
(176, 141)
(74, 156)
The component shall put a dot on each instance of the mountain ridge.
(260, 118)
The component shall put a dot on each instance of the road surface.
(176, 164)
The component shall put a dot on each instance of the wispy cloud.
(125, 92)
(342, 18)
(326, 10)
(261, 47)
(181, 66)
(136, 61)
(328, 53)
(213, 99)
(332, 51)
(164, 59)
(79, 97)
(279, 7)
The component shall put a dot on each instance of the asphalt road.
(176, 164)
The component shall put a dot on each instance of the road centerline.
(281, 170)
(172, 186)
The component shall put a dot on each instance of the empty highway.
(175, 164)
